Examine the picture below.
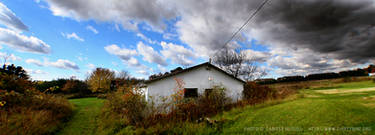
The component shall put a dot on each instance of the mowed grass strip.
(349, 85)
(84, 120)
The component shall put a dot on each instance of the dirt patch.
(312, 96)
(371, 98)
(337, 91)
(371, 105)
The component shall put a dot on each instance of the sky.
(58, 39)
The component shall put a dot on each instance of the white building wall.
(201, 78)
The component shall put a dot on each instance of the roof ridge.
(190, 68)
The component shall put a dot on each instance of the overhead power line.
(247, 21)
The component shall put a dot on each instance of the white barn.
(197, 80)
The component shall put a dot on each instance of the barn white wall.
(201, 78)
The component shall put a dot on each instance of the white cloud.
(133, 62)
(150, 55)
(143, 72)
(38, 71)
(162, 69)
(34, 61)
(60, 63)
(22, 42)
(140, 68)
(170, 36)
(10, 20)
(124, 54)
(114, 64)
(72, 36)
(146, 38)
(305, 61)
(80, 58)
(89, 27)
(257, 55)
(91, 66)
(117, 28)
(64, 64)
(177, 53)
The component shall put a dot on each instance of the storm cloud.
(342, 29)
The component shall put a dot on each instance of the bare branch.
(6, 56)
(238, 64)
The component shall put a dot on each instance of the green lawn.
(84, 120)
(314, 114)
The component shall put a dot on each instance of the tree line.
(319, 76)
(101, 80)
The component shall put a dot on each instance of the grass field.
(349, 85)
(84, 120)
(309, 112)
(316, 113)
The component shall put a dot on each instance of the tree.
(238, 64)
(14, 78)
(17, 72)
(100, 80)
(6, 56)
(76, 86)
(45, 86)
(123, 75)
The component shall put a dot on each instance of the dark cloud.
(207, 25)
(128, 12)
(341, 28)
(324, 34)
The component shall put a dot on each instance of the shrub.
(124, 107)
(11, 82)
(214, 101)
(24, 110)
(35, 113)
(255, 93)
(347, 79)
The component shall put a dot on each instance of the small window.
(207, 92)
(191, 92)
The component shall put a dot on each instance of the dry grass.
(32, 114)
